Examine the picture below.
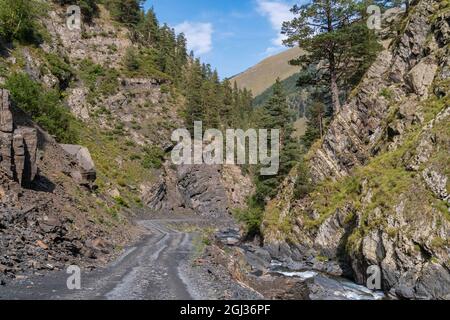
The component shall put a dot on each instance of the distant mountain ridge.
(262, 76)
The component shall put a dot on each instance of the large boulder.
(85, 174)
(421, 77)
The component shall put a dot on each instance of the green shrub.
(251, 217)
(90, 72)
(130, 60)
(121, 202)
(3, 68)
(89, 8)
(18, 20)
(438, 242)
(143, 62)
(99, 80)
(303, 185)
(165, 89)
(386, 93)
(44, 106)
(135, 157)
(266, 188)
(109, 83)
(60, 68)
(127, 12)
(153, 157)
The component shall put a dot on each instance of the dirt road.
(154, 268)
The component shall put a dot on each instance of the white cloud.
(273, 50)
(277, 12)
(198, 35)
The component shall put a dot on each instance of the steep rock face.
(402, 74)
(94, 42)
(210, 191)
(382, 171)
(201, 190)
(25, 153)
(138, 105)
(238, 187)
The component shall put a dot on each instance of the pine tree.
(181, 50)
(131, 60)
(276, 110)
(210, 104)
(243, 109)
(277, 115)
(166, 50)
(194, 103)
(226, 110)
(315, 124)
(336, 39)
(127, 12)
(213, 98)
(148, 28)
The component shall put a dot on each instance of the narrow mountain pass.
(153, 268)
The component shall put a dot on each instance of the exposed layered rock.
(18, 145)
(201, 190)
(192, 187)
(421, 77)
(387, 154)
(238, 187)
(207, 190)
(6, 128)
(25, 152)
(405, 68)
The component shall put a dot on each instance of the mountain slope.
(124, 116)
(263, 75)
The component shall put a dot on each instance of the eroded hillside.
(102, 92)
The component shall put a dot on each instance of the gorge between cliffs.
(93, 207)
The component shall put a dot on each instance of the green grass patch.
(116, 168)
(100, 80)
(143, 62)
(153, 157)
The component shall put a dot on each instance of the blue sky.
(231, 35)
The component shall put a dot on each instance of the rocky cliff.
(209, 191)
(382, 171)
